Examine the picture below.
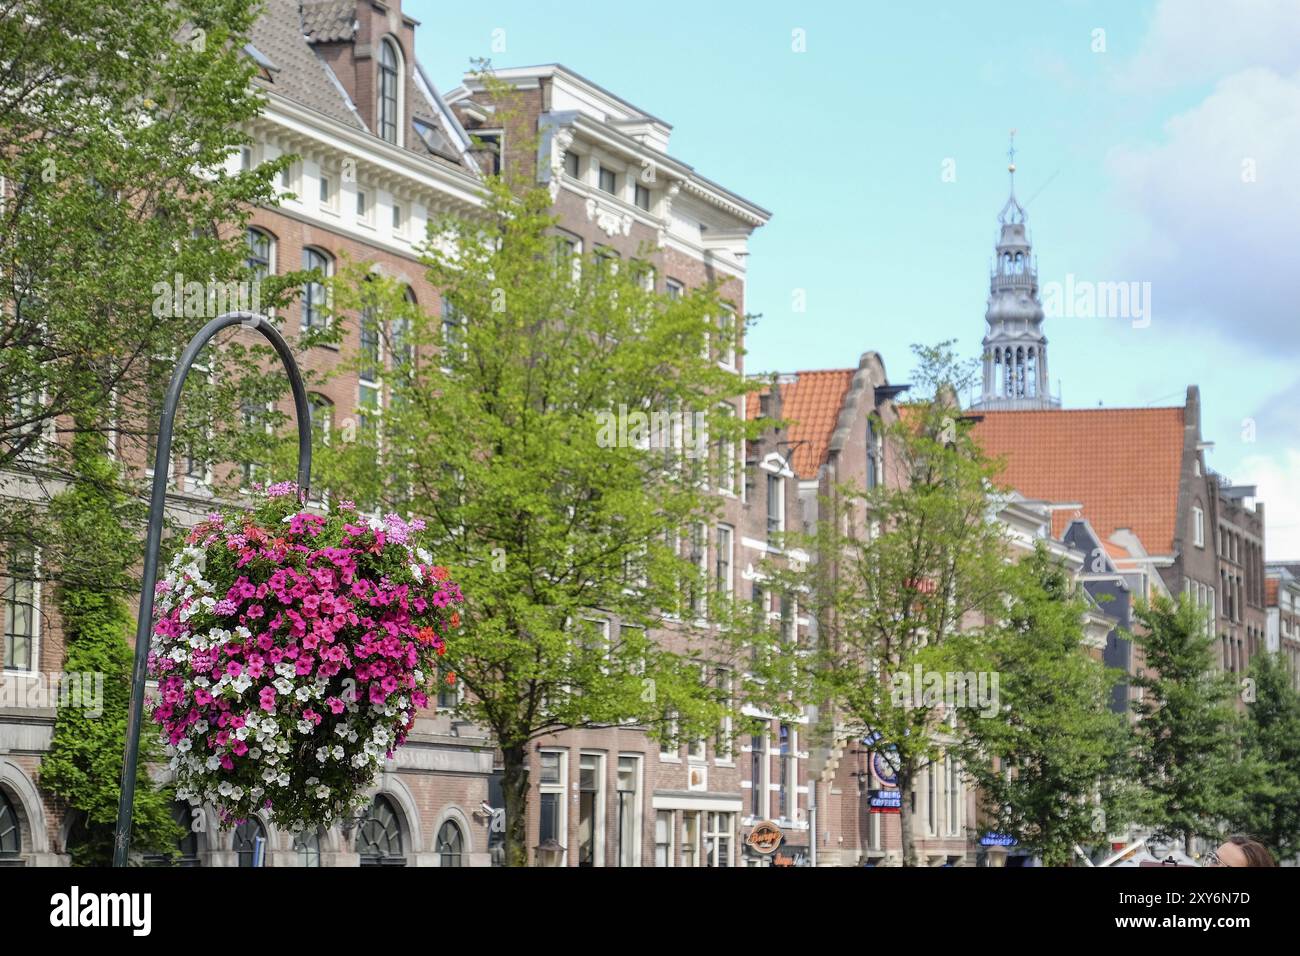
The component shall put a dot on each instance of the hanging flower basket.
(292, 651)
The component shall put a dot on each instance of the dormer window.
(389, 58)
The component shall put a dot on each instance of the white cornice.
(438, 186)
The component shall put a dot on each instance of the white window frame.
(726, 324)
(638, 809)
(727, 457)
(36, 617)
(695, 844)
(326, 183)
(671, 845)
(674, 753)
(598, 823)
(779, 481)
(725, 757)
(931, 801)
(953, 791)
(710, 836)
(1198, 526)
(328, 274)
(725, 533)
(399, 101)
(562, 790)
(764, 782)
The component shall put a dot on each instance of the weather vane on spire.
(1012, 209)
(1011, 160)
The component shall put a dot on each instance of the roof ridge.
(1116, 408)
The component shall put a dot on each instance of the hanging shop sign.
(764, 838)
(885, 801)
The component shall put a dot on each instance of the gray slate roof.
(327, 21)
(281, 36)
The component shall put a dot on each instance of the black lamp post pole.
(153, 538)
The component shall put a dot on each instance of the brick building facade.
(379, 156)
(615, 796)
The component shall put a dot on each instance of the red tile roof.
(1121, 464)
(812, 405)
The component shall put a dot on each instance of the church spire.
(1012, 211)
(1015, 348)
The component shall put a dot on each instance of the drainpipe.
(812, 819)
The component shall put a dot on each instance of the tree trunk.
(514, 785)
(905, 818)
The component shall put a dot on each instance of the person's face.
(1229, 854)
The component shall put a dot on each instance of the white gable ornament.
(608, 221)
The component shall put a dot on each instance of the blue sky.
(1157, 143)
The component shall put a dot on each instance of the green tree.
(550, 425)
(904, 576)
(1050, 760)
(1270, 807)
(116, 125)
(83, 767)
(1186, 733)
(117, 121)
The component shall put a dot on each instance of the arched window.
(450, 845)
(1020, 263)
(307, 845)
(251, 843)
(184, 815)
(313, 292)
(379, 840)
(260, 245)
(389, 59)
(11, 832)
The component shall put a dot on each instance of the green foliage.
(903, 575)
(1187, 734)
(1050, 763)
(1270, 808)
(83, 767)
(117, 121)
(501, 429)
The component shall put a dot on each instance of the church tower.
(1015, 348)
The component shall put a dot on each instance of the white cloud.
(1220, 197)
(1190, 41)
(1277, 483)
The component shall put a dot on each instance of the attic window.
(434, 139)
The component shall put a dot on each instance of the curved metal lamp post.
(157, 500)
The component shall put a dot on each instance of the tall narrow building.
(1015, 348)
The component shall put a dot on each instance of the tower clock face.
(885, 763)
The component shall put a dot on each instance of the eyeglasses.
(1212, 859)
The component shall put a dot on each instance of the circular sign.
(764, 838)
(885, 763)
